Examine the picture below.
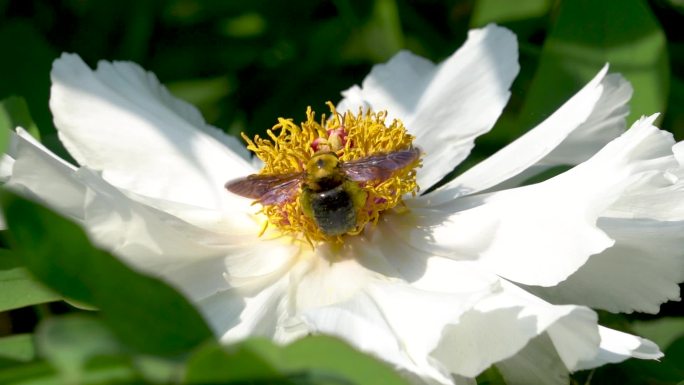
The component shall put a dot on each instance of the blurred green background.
(246, 63)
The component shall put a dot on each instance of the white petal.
(617, 346)
(577, 130)
(6, 165)
(158, 243)
(36, 172)
(539, 363)
(241, 292)
(259, 264)
(394, 322)
(605, 123)
(199, 278)
(238, 224)
(166, 246)
(376, 310)
(145, 237)
(119, 119)
(540, 234)
(643, 268)
(637, 274)
(421, 268)
(501, 325)
(239, 270)
(533, 235)
(235, 314)
(536, 364)
(445, 106)
(658, 195)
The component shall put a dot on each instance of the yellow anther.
(352, 136)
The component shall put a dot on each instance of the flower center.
(348, 168)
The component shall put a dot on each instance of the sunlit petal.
(446, 106)
(120, 120)
(551, 228)
(577, 130)
(516, 317)
(617, 346)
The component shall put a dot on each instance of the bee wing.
(381, 166)
(267, 189)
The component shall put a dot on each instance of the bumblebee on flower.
(482, 271)
(331, 178)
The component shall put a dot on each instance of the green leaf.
(105, 371)
(585, 36)
(157, 370)
(381, 37)
(674, 356)
(206, 94)
(316, 360)
(26, 67)
(38, 373)
(662, 331)
(16, 348)
(491, 376)
(69, 342)
(666, 371)
(502, 11)
(17, 286)
(247, 25)
(79, 346)
(332, 356)
(146, 314)
(14, 112)
(214, 363)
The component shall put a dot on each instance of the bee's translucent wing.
(267, 189)
(380, 166)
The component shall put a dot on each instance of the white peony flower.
(481, 271)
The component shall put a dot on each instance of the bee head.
(323, 171)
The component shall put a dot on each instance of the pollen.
(352, 137)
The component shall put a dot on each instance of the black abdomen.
(333, 211)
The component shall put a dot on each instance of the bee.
(330, 190)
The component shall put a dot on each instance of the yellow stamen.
(352, 137)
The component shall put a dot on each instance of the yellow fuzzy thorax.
(351, 136)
